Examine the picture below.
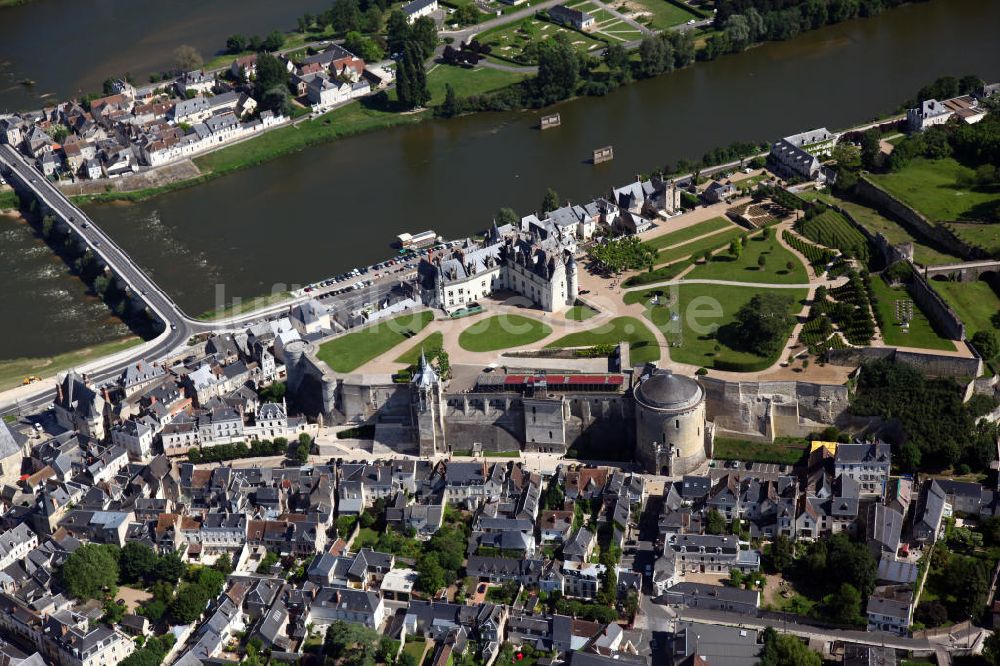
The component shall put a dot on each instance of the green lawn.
(666, 15)
(973, 302)
(686, 234)
(745, 268)
(9, 200)
(433, 341)
(696, 248)
(921, 333)
(415, 647)
(580, 313)
(466, 82)
(783, 450)
(642, 342)
(986, 236)
(931, 187)
(707, 314)
(349, 352)
(502, 331)
(13, 371)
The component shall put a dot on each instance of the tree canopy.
(89, 570)
(764, 322)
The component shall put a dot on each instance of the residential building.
(573, 18)
(418, 8)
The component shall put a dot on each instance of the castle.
(536, 261)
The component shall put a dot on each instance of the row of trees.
(238, 43)
(258, 448)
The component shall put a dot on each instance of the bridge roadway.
(178, 326)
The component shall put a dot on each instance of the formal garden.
(502, 331)
(756, 258)
(687, 234)
(643, 345)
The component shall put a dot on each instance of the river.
(329, 208)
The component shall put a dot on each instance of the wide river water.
(329, 208)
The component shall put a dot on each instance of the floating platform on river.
(605, 154)
(548, 122)
(412, 241)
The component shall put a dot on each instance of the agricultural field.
(895, 233)
(896, 303)
(518, 41)
(746, 267)
(974, 303)
(832, 229)
(932, 188)
(662, 14)
(643, 345)
(707, 319)
(688, 233)
(698, 247)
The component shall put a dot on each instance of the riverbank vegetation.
(14, 371)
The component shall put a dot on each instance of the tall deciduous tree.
(187, 58)
(89, 570)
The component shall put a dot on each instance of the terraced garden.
(876, 223)
(832, 229)
(698, 247)
(643, 345)
(816, 255)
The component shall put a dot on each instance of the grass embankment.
(973, 302)
(502, 331)
(746, 268)
(349, 352)
(241, 307)
(13, 371)
(580, 313)
(921, 333)
(643, 346)
(782, 451)
(932, 188)
(688, 233)
(9, 200)
(698, 247)
(432, 342)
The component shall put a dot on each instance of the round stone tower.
(669, 423)
(295, 351)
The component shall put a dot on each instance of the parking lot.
(765, 471)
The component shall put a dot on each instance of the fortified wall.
(765, 410)
(872, 194)
(936, 308)
(937, 365)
